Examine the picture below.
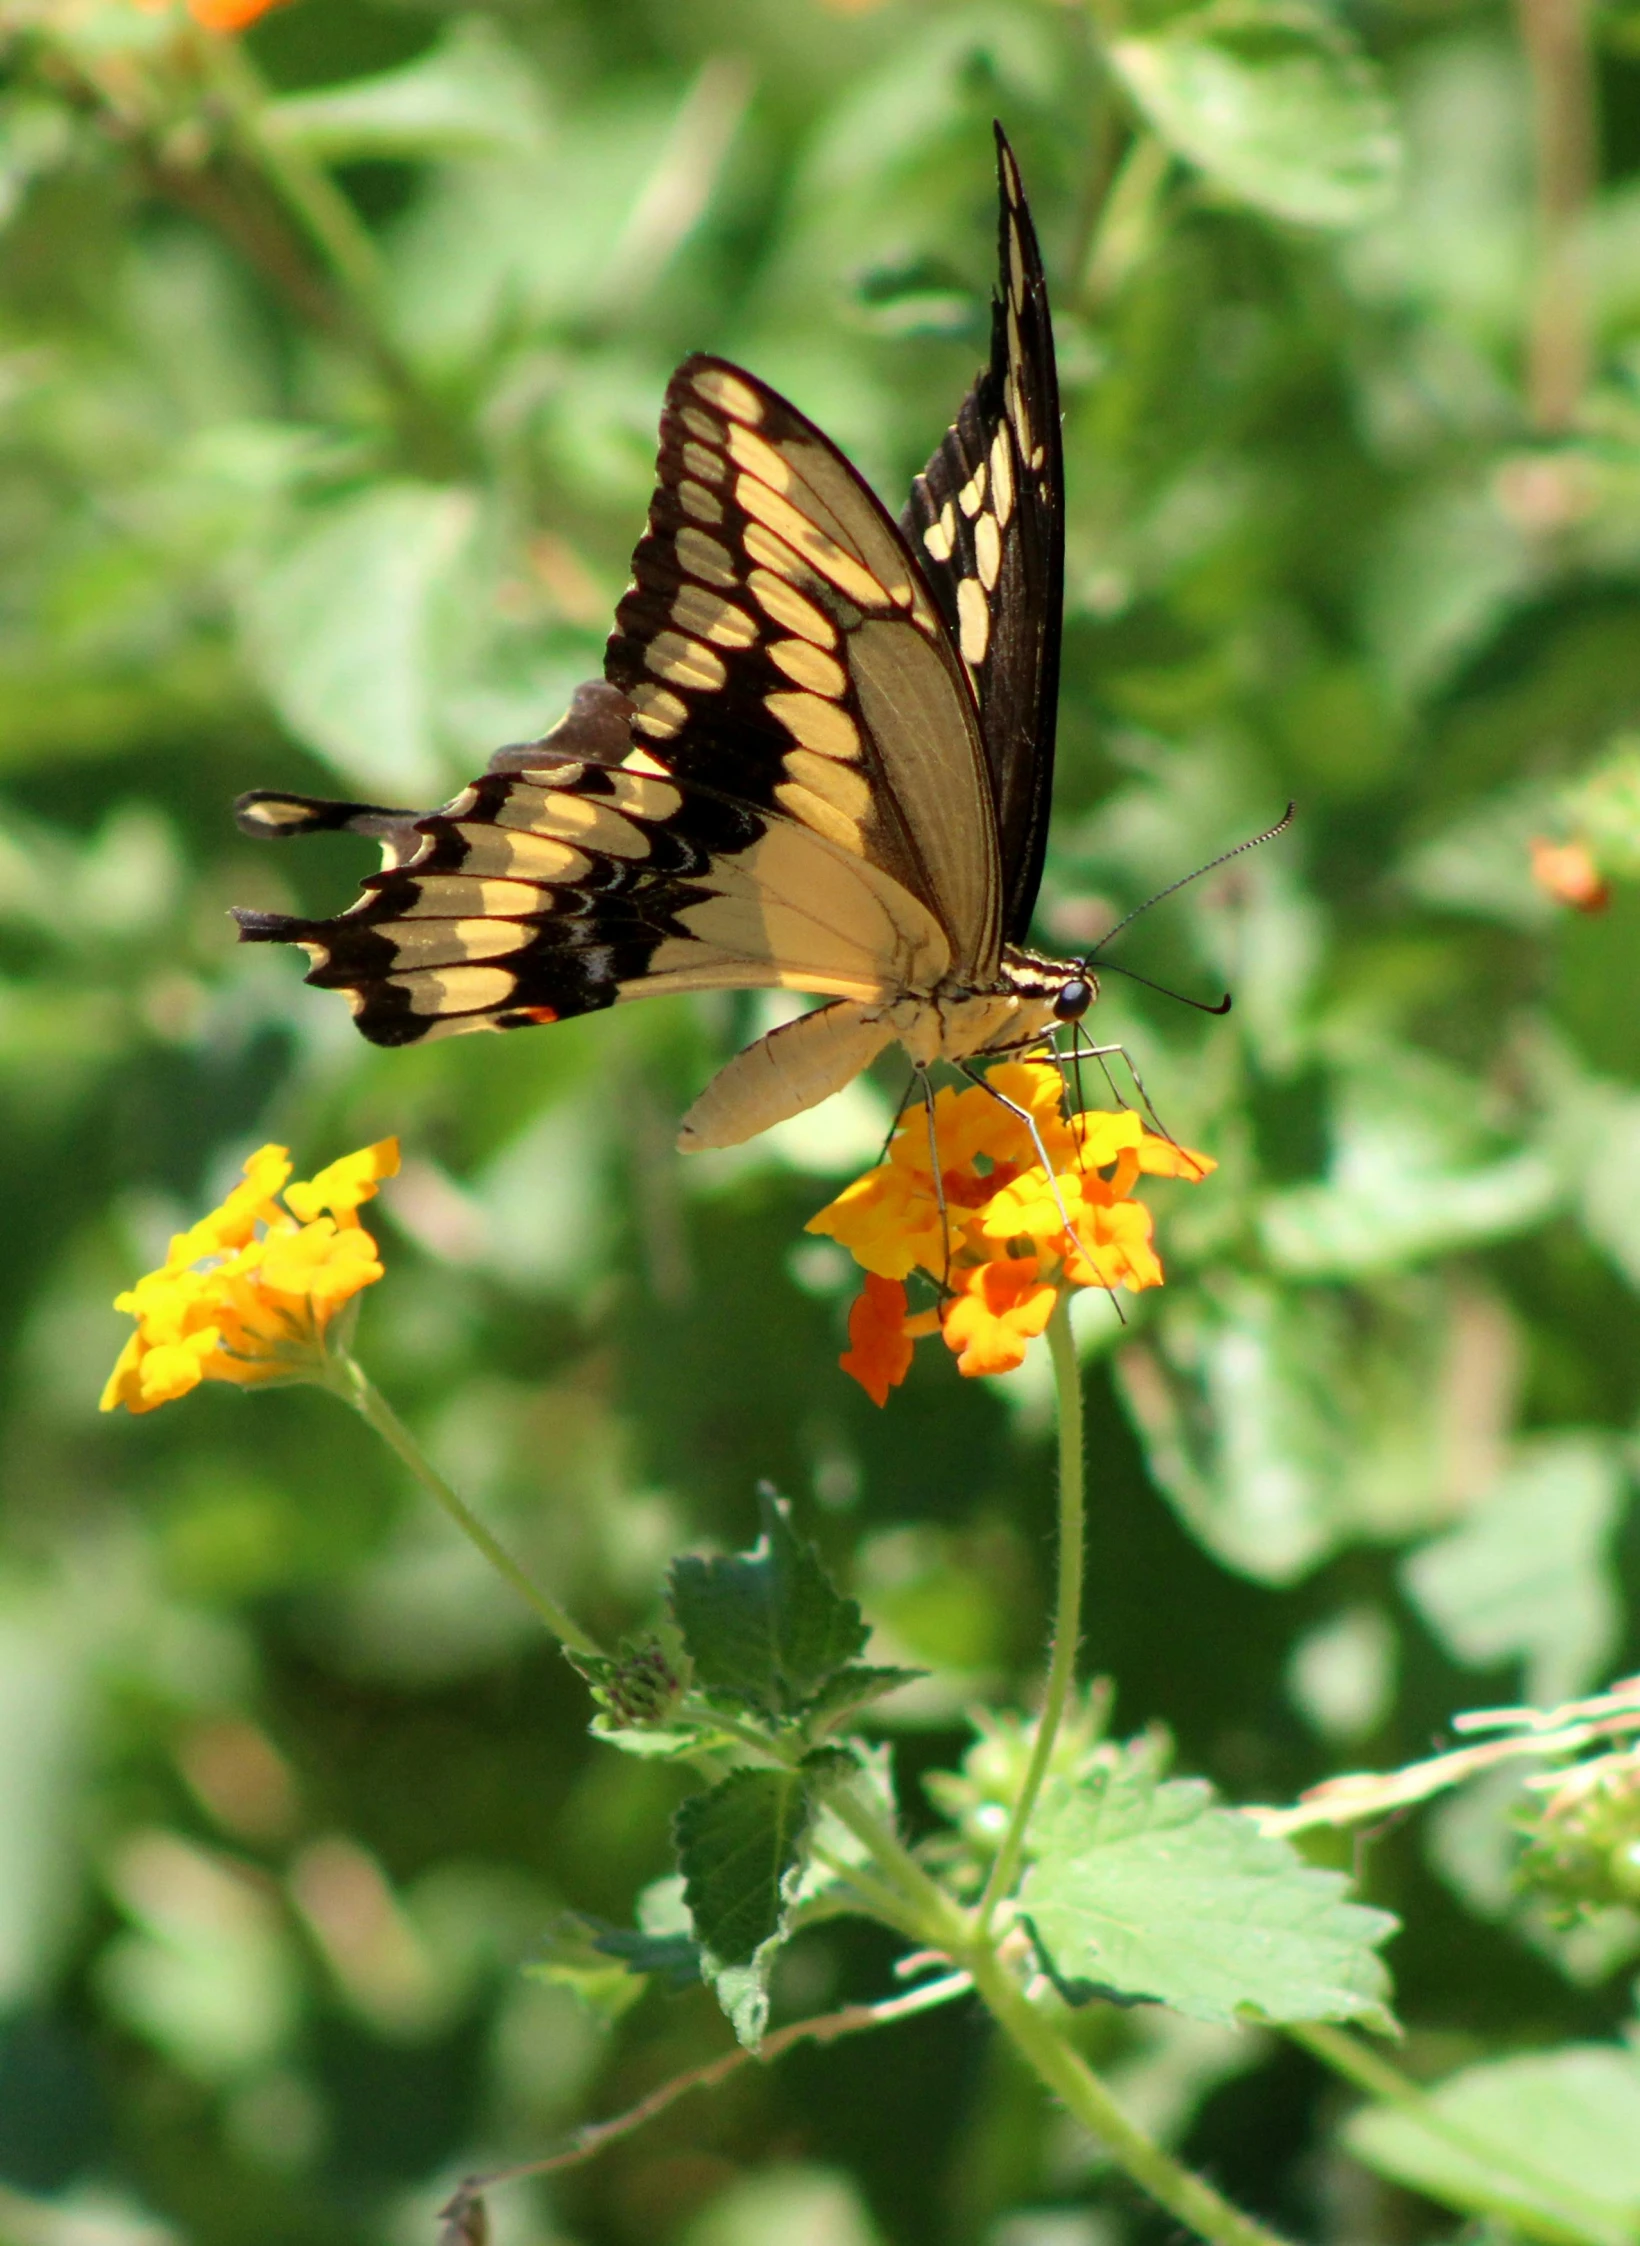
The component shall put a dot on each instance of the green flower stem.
(308, 192)
(1067, 2074)
(353, 1385)
(1067, 1628)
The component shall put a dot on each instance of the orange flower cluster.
(216, 15)
(246, 1294)
(1567, 872)
(999, 1249)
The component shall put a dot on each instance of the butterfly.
(820, 760)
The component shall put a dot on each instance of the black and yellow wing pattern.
(807, 766)
(986, 519)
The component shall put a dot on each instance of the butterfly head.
(1074, 997)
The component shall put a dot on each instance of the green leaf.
(853, 1687)
(1155, 1891)
(766, 1629)
(1275, 103)
(343, 630)
(1548, 2142)
(1527, 1575)
(472, 96)
(741, 1849)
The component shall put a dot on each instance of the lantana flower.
(247, 1294)
(999, 1251)
(216, 15)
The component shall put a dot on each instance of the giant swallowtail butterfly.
(820, 760)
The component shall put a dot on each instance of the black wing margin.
(986, 519)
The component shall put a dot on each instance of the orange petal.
(880, 1350)
(1567, 872)
(1002, 1306)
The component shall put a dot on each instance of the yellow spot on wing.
(819, 551)
(684, 662)
(759, 459)
(808, 667)
(973, 622)
(704, 557)
(941, 535)
(581, 819)
(839, 783)
(825, 818)
(706, 426)
(531, 857)
(660, 714)
(973, 491)
(643, 796)
(787, 606)
(456, 990)
(710, 467)
(818, 725)
(704, 613)
(460, 897)
(1002, 478)
(987, 550)
(449, 943)
(720, 388)
(696, 500)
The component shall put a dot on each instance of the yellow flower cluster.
(994, 1239)
(246, 1294)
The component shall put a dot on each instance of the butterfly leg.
(1103, 1054)
(920, 1075)
(1029, 1121)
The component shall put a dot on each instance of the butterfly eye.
(1073, 1000)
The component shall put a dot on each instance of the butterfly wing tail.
(792, 1069)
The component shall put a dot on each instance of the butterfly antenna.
(1198, 1005)
(1212, 866)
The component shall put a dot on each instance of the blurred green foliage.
(329, 367)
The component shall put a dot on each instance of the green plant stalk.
(1387, 2085)
(1067, 1627)
(1188, 2197)
(353, 1385)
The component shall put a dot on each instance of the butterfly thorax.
(1031, 998)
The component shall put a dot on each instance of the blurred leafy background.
(330, 355)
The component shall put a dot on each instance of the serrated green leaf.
(766, 1629)
(1155, 1891)
(853, 1687)
(1275, 103)
(1548, 2142)
(741, 1849)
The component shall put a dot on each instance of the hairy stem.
(828, 2027)
(1066, 2073)
(1559, 56)
(353, 1385)
(1067, 1628)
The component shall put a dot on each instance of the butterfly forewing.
(986, 521)
(779, 643)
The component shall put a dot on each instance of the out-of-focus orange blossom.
(999, 1251)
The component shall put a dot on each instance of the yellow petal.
(345, 1183)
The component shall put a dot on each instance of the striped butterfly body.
(820, 759)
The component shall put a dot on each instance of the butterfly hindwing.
(571, 876)
(986, 519)
(779, 643)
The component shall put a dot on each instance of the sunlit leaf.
(1153, 1892)
(766, 1629)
